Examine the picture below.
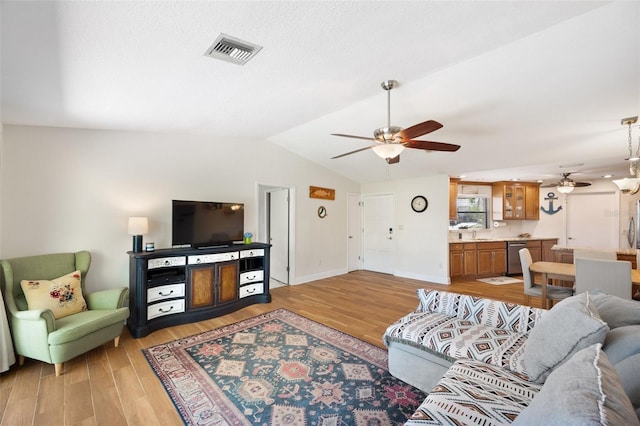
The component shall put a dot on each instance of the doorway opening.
(276, 227)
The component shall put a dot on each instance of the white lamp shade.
(388, 150)
(565, 189)
(628, 185)
(138, 225)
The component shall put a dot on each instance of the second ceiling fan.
(390, 141)
(566, 184)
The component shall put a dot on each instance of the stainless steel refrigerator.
(633, 227)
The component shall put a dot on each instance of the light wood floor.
(116, 386)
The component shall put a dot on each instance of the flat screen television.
(206, 224)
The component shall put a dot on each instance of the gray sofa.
(488, 362)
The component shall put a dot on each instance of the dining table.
(565, 272)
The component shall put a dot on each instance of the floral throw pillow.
(63, 296)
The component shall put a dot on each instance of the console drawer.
(165, 292)
(163, 262)
(251, 276)
(165, 308)
(251, 253)
(251, 289)
(212, 258)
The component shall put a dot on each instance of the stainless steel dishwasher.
(513, 257)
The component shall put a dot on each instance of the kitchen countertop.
(629, 251)
(501, 239)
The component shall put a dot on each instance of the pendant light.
(630, 185)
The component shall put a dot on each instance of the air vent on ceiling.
(232, 49)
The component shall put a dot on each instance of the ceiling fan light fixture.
(388, 134)
(565, 189)
(388, 150)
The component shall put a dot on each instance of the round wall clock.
(419, 204)
(322, 212)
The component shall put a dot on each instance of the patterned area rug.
(499, 280)
(280, 368)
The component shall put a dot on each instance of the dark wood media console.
(176, 286)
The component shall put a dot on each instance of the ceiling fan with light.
(566, 185)
(390, 141)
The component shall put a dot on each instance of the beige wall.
(70, 189)
(421, 250)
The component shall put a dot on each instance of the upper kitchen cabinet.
(453, 198)
(532, 201)
(516, 201)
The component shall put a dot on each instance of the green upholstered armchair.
(37, 333)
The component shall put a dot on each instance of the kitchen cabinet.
(547, 249)
(531, 202)
(462, 259)
(629, 258)
(492, 258)
(516, 201)
(535, 248)
(563, 255)
(453, 199)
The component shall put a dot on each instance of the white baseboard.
(320, 276)
(429, 278)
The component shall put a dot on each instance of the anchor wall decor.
(551, 197)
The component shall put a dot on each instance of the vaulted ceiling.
(523, 86)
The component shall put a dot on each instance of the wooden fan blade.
(393, 160)
(351, 136)
(575, 184)
(419, 130)
(352, 152)
(432, 146)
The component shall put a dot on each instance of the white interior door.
(378, 233)
(592, 220)
(279, 234)
(355, 232)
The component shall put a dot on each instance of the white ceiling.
(523, 87)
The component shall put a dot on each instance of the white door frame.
(354, 232)
(263, 216)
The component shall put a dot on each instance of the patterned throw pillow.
(63, 296)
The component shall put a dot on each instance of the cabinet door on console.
(213, 284)
(201, 286)
(228, 284)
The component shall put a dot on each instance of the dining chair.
(608, 276)
(594, 254)
(554, 293)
